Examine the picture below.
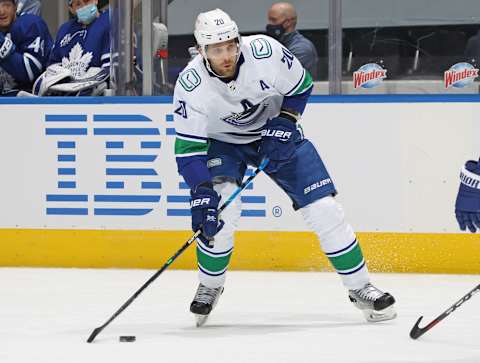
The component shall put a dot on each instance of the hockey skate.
(376, 305)
(203, 303)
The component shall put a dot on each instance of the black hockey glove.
(204, 206)
(467, 206)
(279, 138)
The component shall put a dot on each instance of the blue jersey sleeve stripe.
(192, 136)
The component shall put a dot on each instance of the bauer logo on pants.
(317, 185)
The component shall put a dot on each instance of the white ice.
(46, 316)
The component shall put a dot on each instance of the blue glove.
(6, 46)
(467, 207)
(279, 138)
(204, 206)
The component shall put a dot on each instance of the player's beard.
(224, 68)
(229, 69)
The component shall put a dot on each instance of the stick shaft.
(247, 182)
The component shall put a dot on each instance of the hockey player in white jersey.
(238, 101)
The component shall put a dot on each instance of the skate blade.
(200, 320)
(374, 316)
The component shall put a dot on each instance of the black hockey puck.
(127, 338)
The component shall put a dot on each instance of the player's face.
(77, 4)
(223, 57)
(7, 14)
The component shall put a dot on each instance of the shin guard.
(338, 241)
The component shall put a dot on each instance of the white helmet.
(214, 26)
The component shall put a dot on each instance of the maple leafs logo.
(77, 62)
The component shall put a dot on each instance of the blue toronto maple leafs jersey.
(79, 47)
(32, 42)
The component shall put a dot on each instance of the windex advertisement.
(369, 76)
(460, 75)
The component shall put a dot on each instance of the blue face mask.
(87, 14)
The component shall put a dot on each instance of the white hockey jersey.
(235, 112)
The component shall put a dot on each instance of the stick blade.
(94, 334)
(416, 331)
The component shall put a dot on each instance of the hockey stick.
(97, 331)
(417, 331)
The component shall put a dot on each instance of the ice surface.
(46, 316)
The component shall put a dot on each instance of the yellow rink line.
(285, 251)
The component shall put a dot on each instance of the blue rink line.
(378, 98)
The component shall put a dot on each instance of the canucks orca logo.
(248, 116)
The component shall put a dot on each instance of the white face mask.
(87, 14)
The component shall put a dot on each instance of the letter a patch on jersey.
(182, 110)
(264, 85)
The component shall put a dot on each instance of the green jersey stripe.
(190, 147)
(306, 84)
